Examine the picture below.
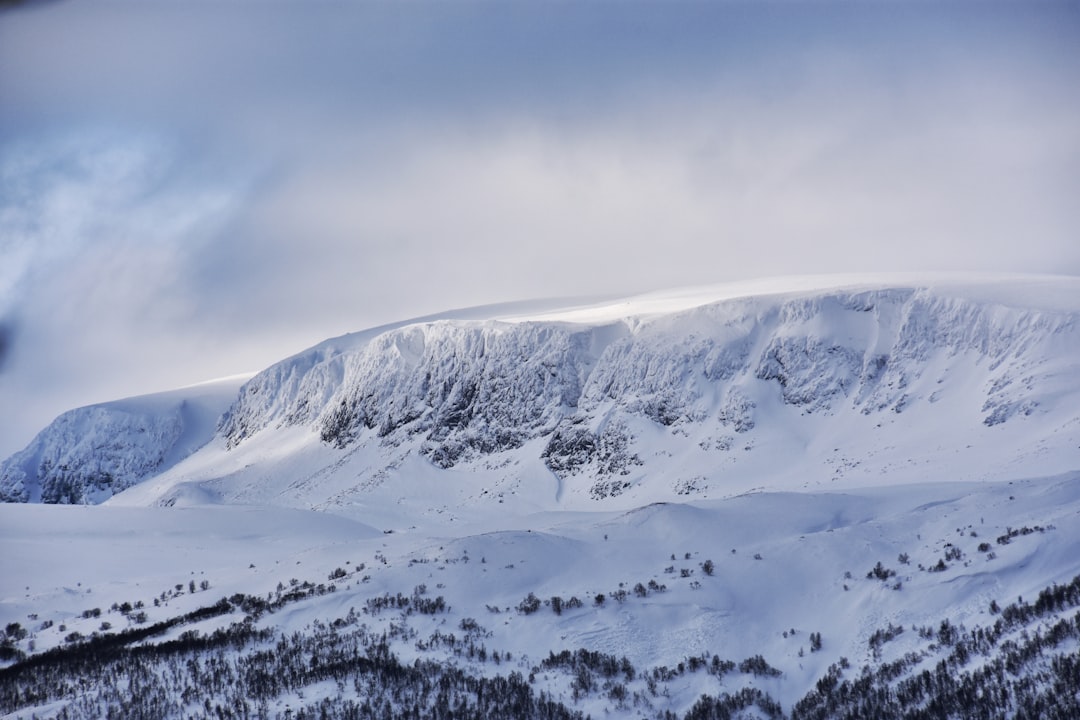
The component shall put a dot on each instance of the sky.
(196, 189)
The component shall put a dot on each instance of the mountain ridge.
(460, 392)
(600, 393)
(813, 504)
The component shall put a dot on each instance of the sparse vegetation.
(235, 666)
(529, 604)
(880, 572)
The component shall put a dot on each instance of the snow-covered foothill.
(806, 581)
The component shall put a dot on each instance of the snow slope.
(846, 479)
(698, 393)
(88, 454)
(784, 566)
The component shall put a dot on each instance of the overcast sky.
(194, 189)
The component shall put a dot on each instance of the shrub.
(880, 572)
(529, 605)
(756, 665)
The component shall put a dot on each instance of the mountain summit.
(703, 392)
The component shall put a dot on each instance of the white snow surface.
(88, 454)
(793, 432)
(665, 396)
(786, 565)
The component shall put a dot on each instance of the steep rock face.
(464, 389)
(291, 392)
(89, 454)
(833, 383)
(460, 391)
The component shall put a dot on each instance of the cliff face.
(89, 454)
(464, 391)
(610, 400)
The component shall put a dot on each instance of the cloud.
(101, 218)
(97, 231)
(198, 189)
(617, 204)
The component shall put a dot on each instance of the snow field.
(793, 553)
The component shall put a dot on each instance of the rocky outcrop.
(466, 390)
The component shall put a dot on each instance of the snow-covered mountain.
(699, 393)
(91, 453)
(814, 499)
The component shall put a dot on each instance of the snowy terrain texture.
(88, 454)
(685, 386)
(813, 498)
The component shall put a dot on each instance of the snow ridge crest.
(612, 400)
(465, 390)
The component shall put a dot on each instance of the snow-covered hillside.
(88, 454)
(815, 499)
(823, 600)
(692, 394)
